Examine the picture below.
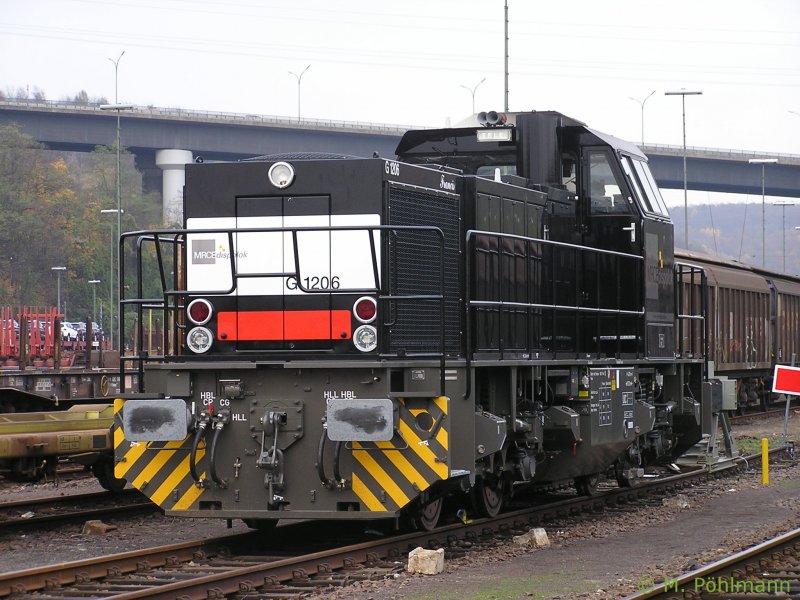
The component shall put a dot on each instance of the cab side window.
(605, 194)
(644, 186)
(569, 173)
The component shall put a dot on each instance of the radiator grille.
(415, 268)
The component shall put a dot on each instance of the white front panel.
(335, 260)
(208, 260)
(351, 257)
(314, 254)
(260, 252)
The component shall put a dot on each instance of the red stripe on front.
(278, 325)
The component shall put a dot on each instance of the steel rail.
(69, 497)
(762, 561)
(230, 579)
(131, 505)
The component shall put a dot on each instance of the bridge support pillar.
(172, 162)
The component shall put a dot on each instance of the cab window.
(633, 178)
(644, 186)
(650, 186)
(605, 194)
(490, 171)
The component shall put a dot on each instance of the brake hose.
(328, 483)
(218, 426)
(201, 428)
(337, 453)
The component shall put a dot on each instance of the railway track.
(769, 570)
(759, 415)
(249, 566)
(74, 507)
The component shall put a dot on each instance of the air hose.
(201, 429)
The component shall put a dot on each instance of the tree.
(81, 98)
(38, 221)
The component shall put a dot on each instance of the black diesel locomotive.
(356, 338)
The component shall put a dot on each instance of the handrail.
(692, 277)
(553, 307)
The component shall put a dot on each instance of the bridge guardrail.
(719, 153)
(183, 114)
(363, 126)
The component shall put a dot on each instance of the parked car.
(68, 332)
(79, 327)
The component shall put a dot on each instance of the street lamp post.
(783, 204)
(642, 103)
(111, 211)
(58, 271)
(683, 93)
(299, 80)
(93, 283)
(472, 91)
(763, 162)
(118, 107)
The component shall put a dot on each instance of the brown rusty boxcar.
(753, 321)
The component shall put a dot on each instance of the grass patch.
(752, 445)
(535, 587)
(789, 484)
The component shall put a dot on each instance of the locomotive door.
(273, 312)
(610, 221)
(658, 240)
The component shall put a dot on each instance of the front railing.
(164, 251)
(691, 309)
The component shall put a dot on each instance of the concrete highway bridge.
(226, 136)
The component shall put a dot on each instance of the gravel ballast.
(600, 556)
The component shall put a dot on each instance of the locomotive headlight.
(199, 340)
(365, 338)
(281, 175)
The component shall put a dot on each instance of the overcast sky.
(406, 62)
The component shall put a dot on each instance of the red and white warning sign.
(786, 380)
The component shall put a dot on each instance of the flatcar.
(359, 338)
(33, 443)
(753, 324)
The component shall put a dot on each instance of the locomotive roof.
(463, 137)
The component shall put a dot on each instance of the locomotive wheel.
(426, 517)
(261, 524)
(104, 472)
(487, 496)
(587, 484)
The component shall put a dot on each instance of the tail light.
(365, 309)
(199, 311)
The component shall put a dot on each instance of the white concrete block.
(427, 562)
(536, 537)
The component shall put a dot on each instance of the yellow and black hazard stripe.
(388, 475)
(160, 470)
